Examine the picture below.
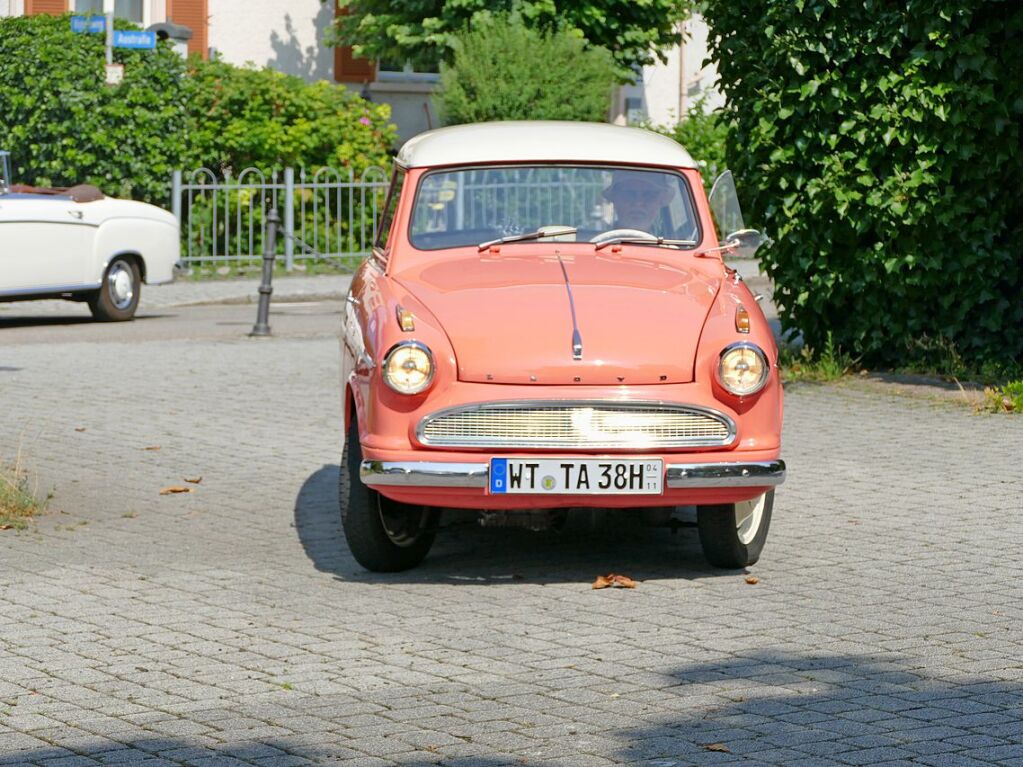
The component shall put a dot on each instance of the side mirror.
(745, 242)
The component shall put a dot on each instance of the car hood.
(509, 318)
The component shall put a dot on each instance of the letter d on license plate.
(572, 476)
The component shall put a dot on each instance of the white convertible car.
(78, 244)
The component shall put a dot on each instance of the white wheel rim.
(748, 516)
(122, 289)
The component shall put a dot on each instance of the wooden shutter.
(52, 7)
(193, 14)
(347, 67)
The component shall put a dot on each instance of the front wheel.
(383, 535)
(118, 294)
(733, 534)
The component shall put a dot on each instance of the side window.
(387, 219)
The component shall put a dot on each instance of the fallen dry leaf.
(175, 489)
(152, 447)
(718, 747)
(79, 428)
(752, 580)
(193, 480)
(615, 581)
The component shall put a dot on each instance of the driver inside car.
(638, 199)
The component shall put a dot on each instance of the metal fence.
(330, 214)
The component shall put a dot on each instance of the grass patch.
(17, 501)
(807, 364)
(1004, 399)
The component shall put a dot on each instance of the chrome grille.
(583, 425)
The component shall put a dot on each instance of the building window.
(130, 10)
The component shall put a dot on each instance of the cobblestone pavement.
(230, 626)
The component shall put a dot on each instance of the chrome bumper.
(477, 475)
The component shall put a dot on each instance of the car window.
(467, 206)
(387, 217)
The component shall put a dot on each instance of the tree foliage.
(879, 143)
(504, 70)
(423, 31)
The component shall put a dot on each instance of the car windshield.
(469, 206)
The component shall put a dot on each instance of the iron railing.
(331, 213)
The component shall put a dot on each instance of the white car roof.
(542, 141)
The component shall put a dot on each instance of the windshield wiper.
(537, 235)
(645, 241)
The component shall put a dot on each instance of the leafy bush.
(240, 117)
(63, 126)
(879, 144)
(503, 70)
(704, 135)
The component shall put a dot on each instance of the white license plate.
(590, 476)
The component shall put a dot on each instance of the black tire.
(403, 542)
(724, 545)
(118, 295)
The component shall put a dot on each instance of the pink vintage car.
(547, 322)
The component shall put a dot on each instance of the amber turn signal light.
(741, 319)
(405, 320)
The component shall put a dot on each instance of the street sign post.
(116, 38)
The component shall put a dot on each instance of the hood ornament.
(577, 339)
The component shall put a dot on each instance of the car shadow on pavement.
(756, 706)
(591, 543)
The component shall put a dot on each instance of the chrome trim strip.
(50, 289)
(476, 475)
(424, 473)
(755, 474)
(570, 403)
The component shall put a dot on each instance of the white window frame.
(147, 10)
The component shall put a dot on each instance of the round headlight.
(743, 369)
(408, 367)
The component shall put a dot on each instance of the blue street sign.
(134, 39)
(88, 24)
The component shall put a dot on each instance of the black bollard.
(262, 327)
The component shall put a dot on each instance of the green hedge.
(241, 117)
(62, 125)
(880, 145)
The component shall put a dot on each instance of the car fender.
(155, 243)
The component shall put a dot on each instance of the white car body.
(52, 246)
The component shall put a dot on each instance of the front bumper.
(412, 474)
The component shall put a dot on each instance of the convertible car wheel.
(733, 535)
(118, 295)
(384, 536)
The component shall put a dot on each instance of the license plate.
(590, 476)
